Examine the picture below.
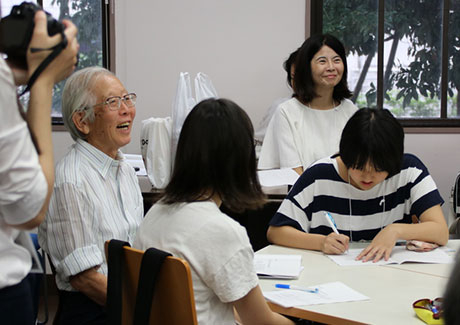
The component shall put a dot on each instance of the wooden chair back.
(173, 301)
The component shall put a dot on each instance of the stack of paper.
(399, 255)
(327, 293)
(277, 177)
(278, 266)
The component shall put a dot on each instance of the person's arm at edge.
(92, 284)
(39, 111)
(253, 309)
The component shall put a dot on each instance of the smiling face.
(110, 130)
(367, 178)
(326, 68)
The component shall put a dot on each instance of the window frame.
(108, 48)
(315, 25)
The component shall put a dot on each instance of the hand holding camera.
(64, 64)
(30, 36)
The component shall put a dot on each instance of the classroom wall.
(241, 45)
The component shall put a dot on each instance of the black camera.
(17, 28)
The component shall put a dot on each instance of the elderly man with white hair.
(96, 194)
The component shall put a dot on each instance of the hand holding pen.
(334, 243)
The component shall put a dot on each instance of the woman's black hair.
(215, 155)
(287, 65)
(304, 86)
(373, 136)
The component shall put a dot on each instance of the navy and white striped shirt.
(320, 189)
(95, 198)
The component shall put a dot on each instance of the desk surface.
(392, 288)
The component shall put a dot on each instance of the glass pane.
(354, 23)
(453, 109)
(412, 58)
(87, 16)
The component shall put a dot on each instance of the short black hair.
(304, 87)
(373, 136)
(216, 155)
(287, 65)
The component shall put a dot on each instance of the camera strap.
(57, 49)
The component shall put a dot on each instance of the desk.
(392, 288)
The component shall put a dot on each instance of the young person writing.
(215, 163)
(371, 189)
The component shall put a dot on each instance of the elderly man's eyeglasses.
(114, 102)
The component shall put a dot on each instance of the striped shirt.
(358, 214)
(95, 198)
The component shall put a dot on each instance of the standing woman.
(215, 163)
(308, 127)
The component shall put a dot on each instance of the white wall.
(441, 154)
(241, 44)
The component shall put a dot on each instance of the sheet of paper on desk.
(399, 255)
(137, 162)
(328, 293)
(278, 266)
(277, 177)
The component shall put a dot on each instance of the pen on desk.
(331, 222)
(294, 287)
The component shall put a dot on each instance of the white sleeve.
(279, 149)
(23, 186)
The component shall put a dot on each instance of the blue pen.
(294, 287)
(331, 222)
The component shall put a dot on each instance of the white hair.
(78, 96)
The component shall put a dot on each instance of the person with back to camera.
(27, 167)
(215, 163)
(96, 194)
(371, 189)
(308, 126)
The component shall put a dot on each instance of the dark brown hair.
(215, 155)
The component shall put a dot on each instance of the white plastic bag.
(182, 105)
(204, 88)
(156, 150)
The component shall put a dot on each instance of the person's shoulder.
(290, 105)
(322, 169)
(6, 75)
(218, 222)
(325, 164)
(411, 160)
(348, 105)
(68, 167)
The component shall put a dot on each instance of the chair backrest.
(173, 300)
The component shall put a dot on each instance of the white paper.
(137, 162)
(278, 266)
(328, 293)
(277, 177)
(399, 255)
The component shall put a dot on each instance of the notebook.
(278, 266)
(399, 255)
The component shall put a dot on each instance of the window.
(91, 18)
(402, 55)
